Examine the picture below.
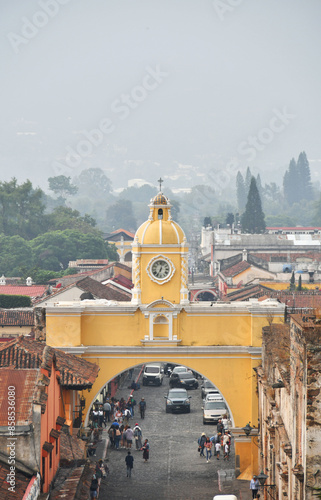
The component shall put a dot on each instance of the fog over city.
(185, 89)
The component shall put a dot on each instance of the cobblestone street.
(175, 469)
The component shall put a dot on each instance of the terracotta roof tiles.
(21, 483)
(75, 372)
(30, 291)
(16, 317)
(236, 269)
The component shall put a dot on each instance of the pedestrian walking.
(217, 450)
(146, 448)
(220, 427)
(117, 438)
(107, 410)
(201, 443)
(129, 437)
(94, 487)
(208, 446)
(254, 486)
(131, 405)
(129, 463)
(126, 416)
(226, 451)
(138, 437)
(142, 407)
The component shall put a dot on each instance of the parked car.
(183, 379)
(177, 400)
(213, 396)
(153, 374)
(181, 369)
(207, 387)
(213, 411)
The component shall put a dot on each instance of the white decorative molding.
(185, 351)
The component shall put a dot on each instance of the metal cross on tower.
(160, 180)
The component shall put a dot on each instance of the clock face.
(160, 269)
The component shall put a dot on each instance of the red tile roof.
(30, 291)
(16, 317)
(122, 280)
(73, 483)
(236, 269)
(22, 481)
(75, 372)
(26, 392)
(118, 233)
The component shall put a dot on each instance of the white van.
(153, 374)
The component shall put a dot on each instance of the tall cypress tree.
(240, 191)
(248, 179)
(304, 177)
(253, 217)
(297, 180)
(259, 186)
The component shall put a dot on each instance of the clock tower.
(160, 257)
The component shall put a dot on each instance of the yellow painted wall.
(152, 291)
(286, 285)
(233, 378)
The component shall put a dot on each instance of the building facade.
(221, 341)
(289, 383)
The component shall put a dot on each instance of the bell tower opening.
(160, 213)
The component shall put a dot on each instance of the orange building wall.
(48, 422)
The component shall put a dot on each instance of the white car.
(213, 411)
(181, 369)
(213, 396)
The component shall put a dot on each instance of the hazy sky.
(142, 88)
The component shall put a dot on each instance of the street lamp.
(262, 479)
(247, 429)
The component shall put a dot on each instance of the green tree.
(253, 217)
(54, 250)
(66, 218)
(207, 221)
(230, 219)
(304, 177)
(62, 186)
(120, 215)
(300, 284)
(93, 183)
(291, 183)
(21, 209)
(248, 178)
(292, 281)
(14, 253)
(240, 191)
